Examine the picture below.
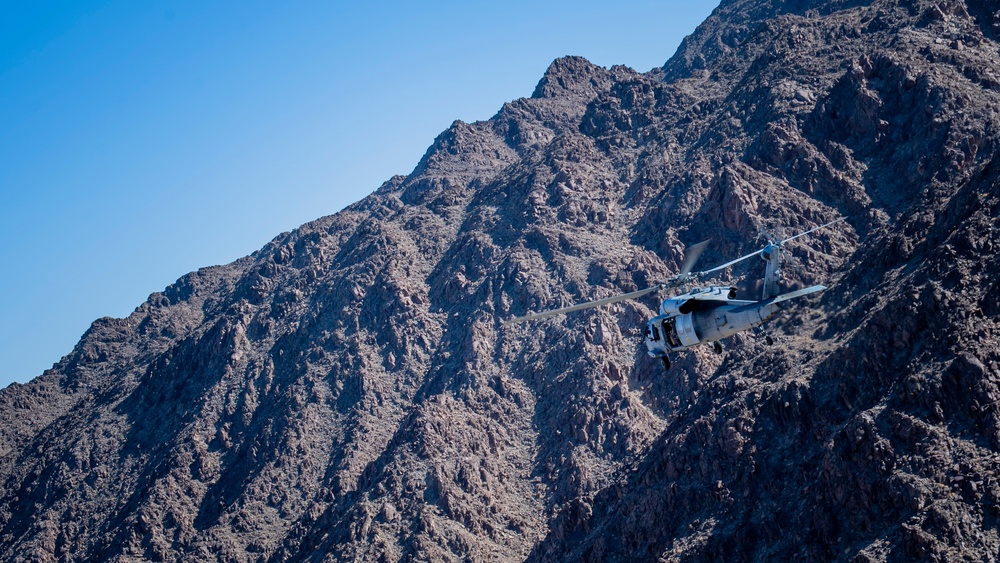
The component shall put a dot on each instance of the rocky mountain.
(350, 392)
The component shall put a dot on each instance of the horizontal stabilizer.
(780, 298)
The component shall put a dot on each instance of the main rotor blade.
(811, 230)
(691, 256)
(756, 252)
(730, 263)
(587, 305)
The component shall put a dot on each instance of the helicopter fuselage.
(700, 316)
(705, 315)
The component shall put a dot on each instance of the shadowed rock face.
(349, 391)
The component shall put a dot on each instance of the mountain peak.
(572, 75)
(351, 391)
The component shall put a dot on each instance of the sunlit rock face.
(350, 390)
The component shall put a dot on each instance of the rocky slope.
(350, 391)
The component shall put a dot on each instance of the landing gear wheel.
(666, 363)
(769, 340)
(717, 346)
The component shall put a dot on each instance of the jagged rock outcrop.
(350, 390)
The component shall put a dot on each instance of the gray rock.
(350, 391)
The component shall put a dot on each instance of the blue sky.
(143, 140)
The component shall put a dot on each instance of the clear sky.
(143, 140)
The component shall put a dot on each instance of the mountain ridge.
(349, 391)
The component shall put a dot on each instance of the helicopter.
(704, 315)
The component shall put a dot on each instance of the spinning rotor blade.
(681, 278)
(588, 305)
(811, 230)
(730, 263)
(756, 252)
(691, 256)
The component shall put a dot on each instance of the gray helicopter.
(704, 315)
